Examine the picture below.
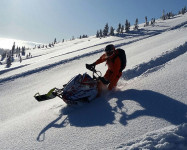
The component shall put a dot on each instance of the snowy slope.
(147, 110)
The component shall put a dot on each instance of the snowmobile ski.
(50, 95)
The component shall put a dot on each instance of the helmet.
(109, 49)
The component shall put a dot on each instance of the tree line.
(121, 28)
(52, 44)
(15, 52)
(110, 31)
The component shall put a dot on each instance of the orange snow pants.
(113, 79)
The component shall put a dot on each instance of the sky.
(43, 20)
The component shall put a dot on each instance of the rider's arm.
(101, 59)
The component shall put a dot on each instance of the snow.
(171, 137)
(148, 109)
(6, 43)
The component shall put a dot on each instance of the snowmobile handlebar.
(98, 75)
(90, 67)
(95, 72)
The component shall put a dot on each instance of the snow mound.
(169, 138)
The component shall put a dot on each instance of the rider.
(113, 61)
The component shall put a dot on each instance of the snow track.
(155, 63)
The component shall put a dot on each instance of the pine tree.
(127, 27)
(13, 48)
(84, 36)
(12, 52)
(163, 15)
(23, 51)
(100, 33)
(55, 41)
(20, 59)
(111, 31)
(97, 34)
(183, 11)
(122, 29)
(152, 21)
(136, 24)
(3, 56)
(8, 61)
(146, 22)
(17, 50)
(119, 28)
(105, 31)
(172, 15)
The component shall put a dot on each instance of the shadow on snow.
(101, 113)
(96, 113)
(154, 104)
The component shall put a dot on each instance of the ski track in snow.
(127, 75)
(36, 70)
(140, 69)
(155, 63)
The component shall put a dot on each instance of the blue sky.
(44, 20)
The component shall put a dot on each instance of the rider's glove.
(91, 66)
(104, 81)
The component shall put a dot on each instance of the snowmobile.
(80, 89)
